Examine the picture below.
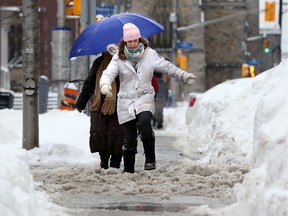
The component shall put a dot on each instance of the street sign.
(269, 11)
(105, 10)
(254, 61)
(184, 45)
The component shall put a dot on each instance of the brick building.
(217, 52)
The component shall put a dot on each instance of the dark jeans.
(143, 123)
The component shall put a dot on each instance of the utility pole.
(173, 20)
(30, 53)
(1, 48)
(61, 44)
(85, 20)
(88, 13)
(284, 32)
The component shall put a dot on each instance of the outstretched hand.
(188, 78)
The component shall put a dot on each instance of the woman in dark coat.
(106, 135)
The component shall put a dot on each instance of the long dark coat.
(106, 135)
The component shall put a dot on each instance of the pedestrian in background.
(160, 100)
(135, 64)
(106, 135)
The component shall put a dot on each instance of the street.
(171, 189)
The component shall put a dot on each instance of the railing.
(52, 102)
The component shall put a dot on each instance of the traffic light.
(181, 60)
(73, 7)
(128, 4)
(266, 46)
(252, 70)
(77, 7)
(245, 70)
(248, 70)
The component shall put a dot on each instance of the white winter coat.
(136, 93)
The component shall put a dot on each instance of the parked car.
(194, 97)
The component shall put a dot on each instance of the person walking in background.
(135, 64)
(106, 135)
(155, 84)
(161, 100)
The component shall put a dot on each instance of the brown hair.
(123, 43)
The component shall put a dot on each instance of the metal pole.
(88, 13)
(1, 78)
(61, 13)
(84, 14)
(84, 23)
(92, 11)
(201, 24)
(284, 32)
(61, 23)
(92, 15)
(30, 53)
(173, 19)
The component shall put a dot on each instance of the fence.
(52, 101)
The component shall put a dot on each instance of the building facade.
(217, 30)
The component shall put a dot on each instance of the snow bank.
(264, 189)
(17, 191)
(262, 105)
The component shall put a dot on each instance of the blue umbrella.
(95, 38)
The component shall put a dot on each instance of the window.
(161, 13)
(15, 41)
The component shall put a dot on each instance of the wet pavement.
(139, 205)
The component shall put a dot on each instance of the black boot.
(115, 161)
(149, 151)
(104, 160)
(129, 160)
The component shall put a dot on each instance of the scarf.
(134, 54)
(109, 105)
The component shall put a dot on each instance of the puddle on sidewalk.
(144, 207)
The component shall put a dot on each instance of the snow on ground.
(239, 124)
(257, 131)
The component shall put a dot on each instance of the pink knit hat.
(130, 32)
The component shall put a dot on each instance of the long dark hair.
(123, 43)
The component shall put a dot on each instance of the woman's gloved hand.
(106, 89)
(188, 78)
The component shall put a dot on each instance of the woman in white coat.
(135, 64)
